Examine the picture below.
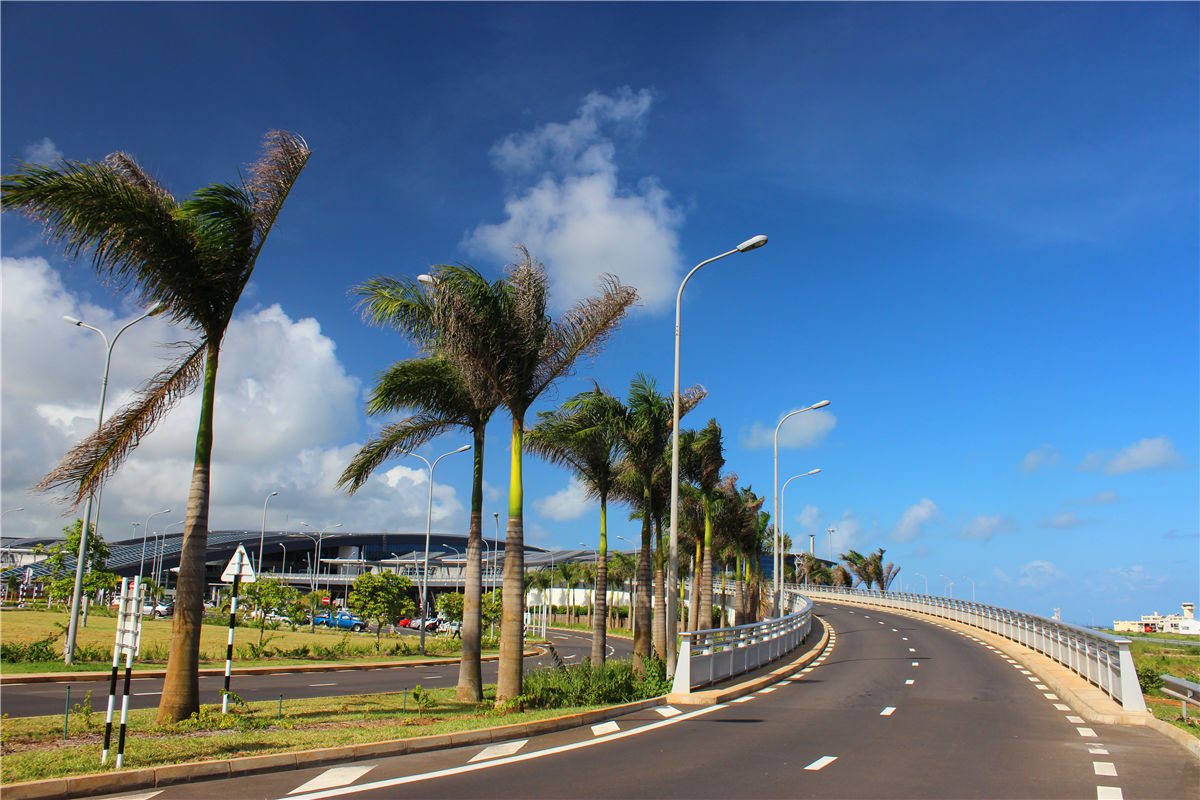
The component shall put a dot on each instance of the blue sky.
(983, 251)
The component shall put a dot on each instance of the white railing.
(1100, 658)
(708, 656)
(1184, 691)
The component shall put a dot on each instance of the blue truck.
(341, 619)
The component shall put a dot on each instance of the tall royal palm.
(195, 257)
(441, 401)
(707, 459)
(501, 333)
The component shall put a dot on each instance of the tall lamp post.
(160, 549)
(262, 532)
(317, 561)
(145, 536)
(80, 564)
(428, 532)
(831, 531)
(778, 562)
(951, 582)
(972, 580)
(673, 550)
(783, 494)
(922, 577)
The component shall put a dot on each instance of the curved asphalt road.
(897, 708)
(34, 699)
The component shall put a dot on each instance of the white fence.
(1100, 658)
(713, 655)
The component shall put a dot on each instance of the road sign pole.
(237, 579)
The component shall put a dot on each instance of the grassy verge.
(33, 747)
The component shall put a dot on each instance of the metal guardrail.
(715, 654)
(1184, 691)
(1101, 659)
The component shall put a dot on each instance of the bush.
(39, 650)
(586, 684)
(1149, 679)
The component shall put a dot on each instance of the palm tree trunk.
(706, 566)
(181, 686)
(641, 621)
(512, 638)
(660, 598)
(600, 611)
(470, 678)
(694, 602)
(739, 603)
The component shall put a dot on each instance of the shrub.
(38, 650)
(586, 684)
(1149, 679)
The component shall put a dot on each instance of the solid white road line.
(668, 711)
(331, 778)
(1106, 768)
(821, 763)
(387, 784)
(605, 728)
(1109, 793)
(498, 750)
(887, 712)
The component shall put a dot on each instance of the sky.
(983, 252)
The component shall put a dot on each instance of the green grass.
(33, 748)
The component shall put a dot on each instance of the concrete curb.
(713, 697)
(155, 777)
(1090, 701)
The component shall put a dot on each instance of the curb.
(167, 775)
(714, 696)
(1091, 702)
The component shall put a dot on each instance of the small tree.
(450, 606)
(269, 594)
(61, 562)
(382, 597)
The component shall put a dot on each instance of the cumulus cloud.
(810, 518)
(985, 526)
(1063, 521)
(1040, 575)
(569, 208)
(802, 430)
(1104, 498)
(285, 407)
(43, 152)
(849, 534)
(1146, 454)
(569, 503)
(1045, 456)
(915, 517)
(1134, 578)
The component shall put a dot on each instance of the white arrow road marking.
(605, 728)
(330, 778)
(821, 763)
(387, 784)
(498, 750)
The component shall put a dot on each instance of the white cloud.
(284, 409)
(1104, 498)
(1045, 456)
(849, 534)
(810, 518)
(1040, 575)
(909, 526)
(985, 526)
(569, 503)
(1001, 575)
(574, 215)
(1063, 521)
(43, 152)
(802, 430)
(1145, 454)
(1134, 578)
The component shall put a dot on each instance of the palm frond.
(272, 177)
(96, 458)
(396, 439)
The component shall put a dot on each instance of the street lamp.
(922, 577)
(312, 577)
(263, 531)
(317, 563)
(778, 562)
(145, 536)
(428, 532)
(831, 531)
(160, 550)
(972, 580)
(783, 493)
(77, 592)
(752, 243)
(462, 569)
(951, 582)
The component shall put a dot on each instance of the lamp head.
(272, 494)
(813, 471)
(463, 449)
(156, 309)
(427, 281)
(72, 320)
(821, 404)
(752, 244)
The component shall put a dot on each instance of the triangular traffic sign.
(238, 566)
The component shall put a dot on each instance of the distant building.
(1185, 623)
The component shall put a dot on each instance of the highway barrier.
(712, 655)
(1185, 691)
(1101, 659)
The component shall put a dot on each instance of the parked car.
(163, 608)
(341, 619)
(280, 618)
(404, 622)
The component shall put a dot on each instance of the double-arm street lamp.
(783, 495)
(263, 532)
(428, 532)
(77, 592)
(145, 536)
(317, 560)
(778, 563)
(673, 549)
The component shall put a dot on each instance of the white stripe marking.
(605, 728)
(1050, 695)
(1097, 750)
(322, 684)
(1106, 768)
(1086, 732)
(904, 638)
(821, 763)
(782, 683)
(912, 649)
(1109, 793)
(668, 711)
(887, 712)
(767, 690)
(498, 750)
(745, 699)
(145, 694)
(1074, 720)
(1061, 707)
(330, 778)
(1041, 687)
(139, 796)
(916, 663)
(387, 784)
(909, 682)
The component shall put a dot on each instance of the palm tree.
(585, 436)
(501, 334)
(442, 401)
(705, 462)
(194, 257)
(621, 573)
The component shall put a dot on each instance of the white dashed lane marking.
(668, 711)
(605, 728)
(1086, 732)
(821, 763)
(1097, 750)
(1106, 768)
(909, 682)
(887, 712)
(1109, 793)
(745, 699)
(330, 778)
(916, 663)
(322, 684)
(1061, 707)
(498, 750)
(1074, 720)
(1050, 695)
